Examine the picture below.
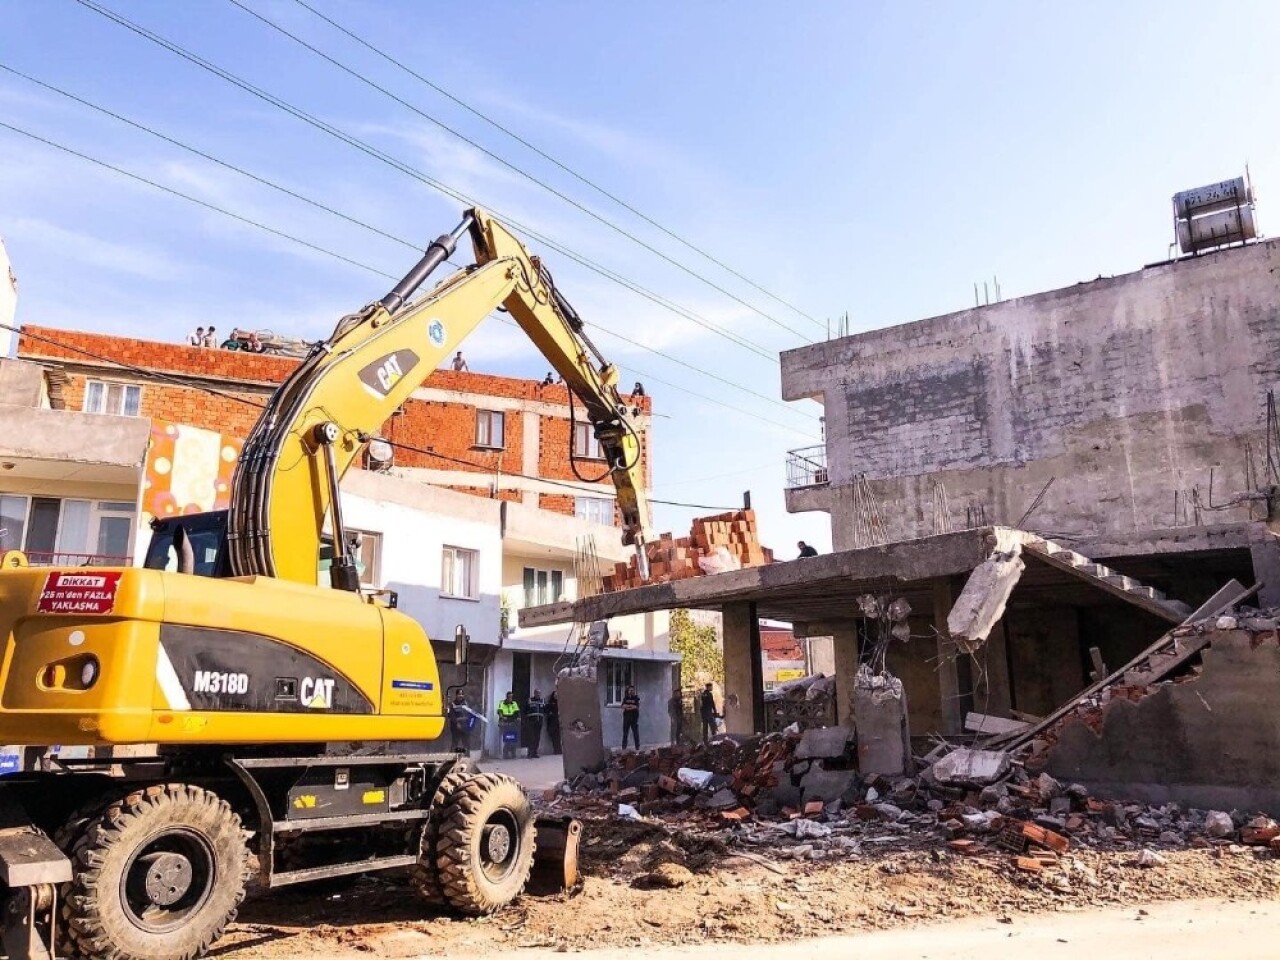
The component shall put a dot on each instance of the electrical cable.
(583, 208)
(550, 159)
(337, 213)
(416, 174)
(186, 383)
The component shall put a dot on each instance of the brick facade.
(447, 428)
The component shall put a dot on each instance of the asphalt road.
(1190, 930)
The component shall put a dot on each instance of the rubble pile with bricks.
(800, 796)
(726, 541)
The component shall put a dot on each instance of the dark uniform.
(460, 725)
(707, 710)
(631, 717)
(533, 716)
(553, 722)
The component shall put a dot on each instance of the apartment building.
(478, 514)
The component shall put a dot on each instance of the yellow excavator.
(225, 657)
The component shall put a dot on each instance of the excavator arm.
(285, 489)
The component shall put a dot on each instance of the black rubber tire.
(473, 884)
(425, 874)
(97, 918)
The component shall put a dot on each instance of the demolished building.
(1050, 485)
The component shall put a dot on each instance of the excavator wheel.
(425, 874)
(485, 847)
(158, 876)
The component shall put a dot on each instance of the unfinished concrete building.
(1051, 484)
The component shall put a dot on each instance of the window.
(490, 425)
(594, 509)
(542, 586)
(122, 399)
(67, 532)
(585, 443)
(13, 522)
(458, 573)
(618, 675)
(369, 557)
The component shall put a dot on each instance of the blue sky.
(872, 158)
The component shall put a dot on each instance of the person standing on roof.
(707, 710)
(459, 364)
(210, 338)
(806, 550)
(196, 339)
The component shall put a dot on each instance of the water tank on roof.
(1214, 215)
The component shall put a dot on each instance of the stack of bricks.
(677, 559)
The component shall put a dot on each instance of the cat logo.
(317, 693)
(381, 376)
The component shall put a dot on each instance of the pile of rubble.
(727, 541)
(800, 796)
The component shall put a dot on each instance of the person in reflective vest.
(509, 725)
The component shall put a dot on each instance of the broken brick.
(737, 815)
(1046, 838)
(1029, 864)
(813, 808)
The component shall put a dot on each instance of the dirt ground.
(731, 898)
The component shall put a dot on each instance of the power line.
(186, 383)
(548, 157)
(338, 256)
(476, 145)
(196, 200)
(337, 213)
(418, 175)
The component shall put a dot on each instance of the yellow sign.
(782, 676)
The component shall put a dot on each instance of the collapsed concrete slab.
(823, 743)
(986, 593)
(1211, 740)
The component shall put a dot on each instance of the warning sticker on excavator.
(82, 593)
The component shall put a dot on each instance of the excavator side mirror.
(461, 643)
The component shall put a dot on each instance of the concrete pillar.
(743, 687)
(1265, 553)
(844, 642)
(948, 665)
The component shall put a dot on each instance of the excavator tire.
(425, 874)
(158, 875)
(485, 846)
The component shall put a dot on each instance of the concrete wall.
(1213, 741)
(1122, 389)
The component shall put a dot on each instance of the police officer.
(460, 724)
(508, 721)
(534, 710)
(553, 721)
(707, 710)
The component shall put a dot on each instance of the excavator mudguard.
(555, 858)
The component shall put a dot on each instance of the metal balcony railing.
(807, 467)
(40, 559)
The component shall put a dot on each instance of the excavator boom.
(284, 492)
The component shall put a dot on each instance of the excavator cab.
(205, 534)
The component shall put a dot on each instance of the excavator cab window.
(207, 534)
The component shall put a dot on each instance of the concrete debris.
(1219, 824)
(823, 742)
(971, 767)
(982, 601)
(698, 779)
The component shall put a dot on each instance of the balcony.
(807, 467)
(38, 558)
